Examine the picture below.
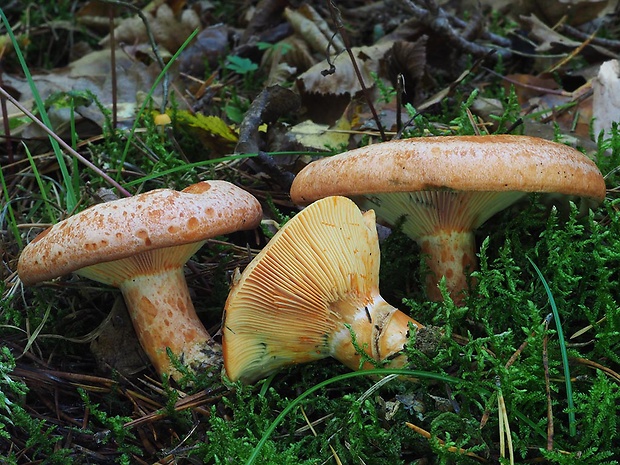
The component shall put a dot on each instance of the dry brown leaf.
(606, 98)
(321, 136)
(169, 30)
(207, 51)
(309, 12)
(318, 40)
(286, 58)
(574, 12)
(527, 86)
(90, 73)
(408, 59)
(344, 80)
(548, 40)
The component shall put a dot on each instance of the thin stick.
(63, 144)
(422, 432)
(5, 120)
(151, 38)
(113, 75)
(545, 360)
(334, 453)
(333, 9)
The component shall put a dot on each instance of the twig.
(6, 123)
(484, 34)
(113, 75)
(63, 144)
(524, 85)
(335, 13)
(166, 80)
(422, 432)
(439, 21)
(583, 36)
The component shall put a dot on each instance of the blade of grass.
(37, 176)
(70, 198)
(572, 424)
(188, 166)
(64, 145)
(374, 372)
(12, 223)
(32, 337)
(147, 100)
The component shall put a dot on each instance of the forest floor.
(103, 100)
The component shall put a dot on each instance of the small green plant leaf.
(240, 65)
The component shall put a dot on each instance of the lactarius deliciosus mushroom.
(446, 187)
(301, 297)
(140, 245)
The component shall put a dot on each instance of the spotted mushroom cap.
(463, 163)
(125, 227)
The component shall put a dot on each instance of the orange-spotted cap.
(125, 227)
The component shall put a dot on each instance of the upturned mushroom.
(446, 187)
(140, 245)
(303, 296)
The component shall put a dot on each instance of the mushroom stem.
(452, 254)
(163, 316)
(379, 328)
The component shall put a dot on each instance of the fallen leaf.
(168, 28)
(344, 80)
(321, 136)
(212, 131)
(91, 73)
(308, 24)
(606, 98)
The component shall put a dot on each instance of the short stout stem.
(163, 316)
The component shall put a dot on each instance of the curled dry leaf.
(287, 57)
(343, 80)
(308, 24)
(408, 59)
(209, 48)
(325, 94)
(170, 30)
(606, 98)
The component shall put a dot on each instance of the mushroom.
(314, 284)
(140, 244)
(446, 187)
